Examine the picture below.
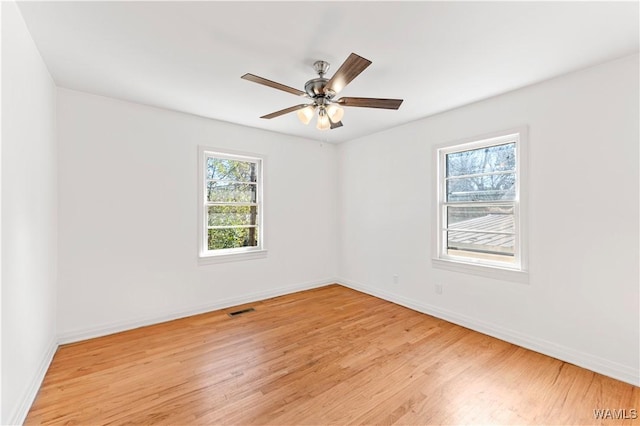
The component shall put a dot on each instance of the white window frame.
(206, 256)
(516, 271)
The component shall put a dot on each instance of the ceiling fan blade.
(273, 84)
(349, 70)
(371, 103)
(284, 111)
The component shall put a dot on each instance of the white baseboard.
(19, 414)
(590, 362)
(103, 330)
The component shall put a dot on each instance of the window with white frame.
(479, 194)
(231, 203)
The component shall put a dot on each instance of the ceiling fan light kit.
(335, 112)
(306, 114)
(323, 120)
(321, 92)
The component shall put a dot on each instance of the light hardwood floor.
(324, 356)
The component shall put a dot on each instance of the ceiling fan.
(321, 91)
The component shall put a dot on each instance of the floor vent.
(243, 311)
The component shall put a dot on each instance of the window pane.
(482, 229)
(223, 192)
(232, 238)
(498, 187)
(231, 215)
(231, 170)
(483, 219)
(483, 160)
(479, 242)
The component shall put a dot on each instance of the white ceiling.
(189, 56)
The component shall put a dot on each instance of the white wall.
(581, 303)
(128, 215)
(29, 217)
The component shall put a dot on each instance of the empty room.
(322, 213)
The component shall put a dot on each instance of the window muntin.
(478, 216)
(232, 204)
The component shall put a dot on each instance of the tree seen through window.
(231, 203)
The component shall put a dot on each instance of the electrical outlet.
(396, 279)
(438, 288)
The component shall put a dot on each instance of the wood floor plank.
(324, 356)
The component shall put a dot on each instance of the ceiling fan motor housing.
(315, 88)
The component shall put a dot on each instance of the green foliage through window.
(231, 202)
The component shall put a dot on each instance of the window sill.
(494, 272)
(231, 257)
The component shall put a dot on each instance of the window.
(479, 217)
(231, 204)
